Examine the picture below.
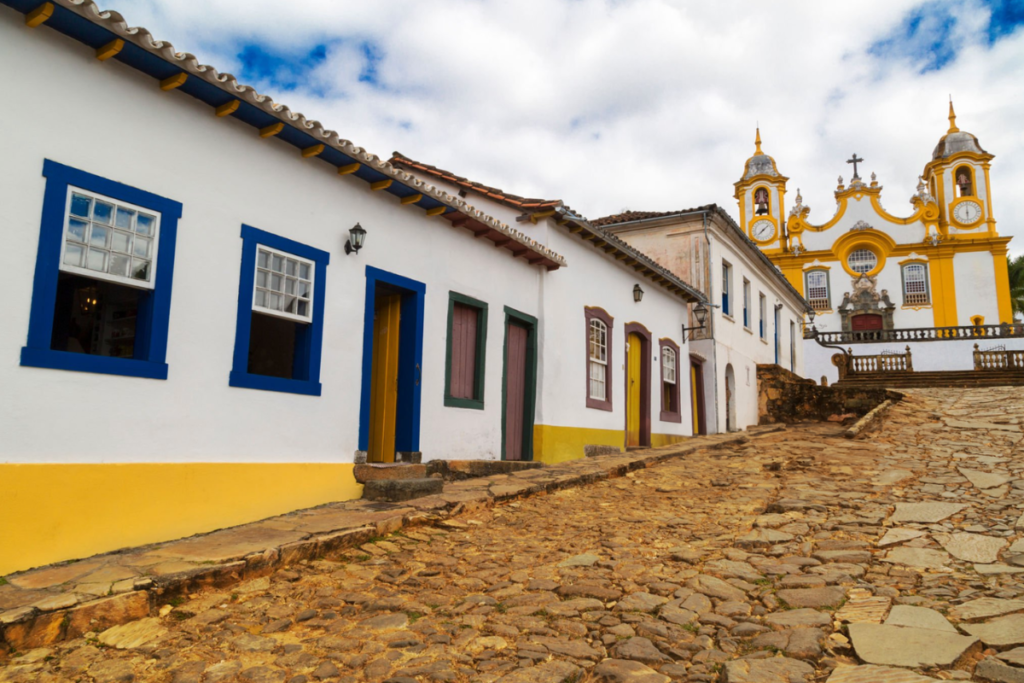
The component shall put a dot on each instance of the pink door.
(515, 390)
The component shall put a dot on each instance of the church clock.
(967, 212)
(763, 230)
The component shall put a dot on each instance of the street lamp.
(638, 293)
(701, 314)
(356, 237)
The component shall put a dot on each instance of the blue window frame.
(726, 277)
(308, 338)
(154, 305)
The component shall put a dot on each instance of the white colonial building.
(214, 306)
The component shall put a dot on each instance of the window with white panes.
(817, 290)
(109, 240)
(669, 367)
(598, 360)
(669, 390)
(746, 302)
(862, 261)
(284, 285)
(915, 284)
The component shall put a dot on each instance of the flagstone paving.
(665, 574)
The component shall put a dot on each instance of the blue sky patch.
(1007, 17)
(285, 71)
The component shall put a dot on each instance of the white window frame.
(255, 287)
(828, 295)
(602, 361)
(668, 357)
(127, 281)
(747, 317)
(727, 289)
(762, 305)
(855, 252)
(924, 281)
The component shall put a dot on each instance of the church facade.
(943, 264)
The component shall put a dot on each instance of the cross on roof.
(854, 161)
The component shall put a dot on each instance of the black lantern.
(356, 237)
(700, 313)
(638, 293)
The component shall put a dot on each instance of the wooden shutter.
(463, 341)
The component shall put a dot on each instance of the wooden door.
(697, 388)
(384, 378)
(633, 385)
(867, 321)
(515, 390)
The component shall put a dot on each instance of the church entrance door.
(867, 321)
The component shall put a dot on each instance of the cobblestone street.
(797, 556)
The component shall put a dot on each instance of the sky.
(636, 104)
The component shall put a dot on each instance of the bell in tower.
(761, 201)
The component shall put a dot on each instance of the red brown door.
(867, 321)
(515, 390)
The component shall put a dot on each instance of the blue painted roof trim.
(81, 29)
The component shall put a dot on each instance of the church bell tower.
(761, 193)
(957, 176)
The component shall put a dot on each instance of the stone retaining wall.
(783, 396)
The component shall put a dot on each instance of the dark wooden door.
(867, 321)
(515, 390)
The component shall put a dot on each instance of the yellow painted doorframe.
(634, 384)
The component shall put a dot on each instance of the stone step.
(393, 490)
(391, 471)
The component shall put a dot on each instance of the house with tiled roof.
(756, 317)
(216, 307)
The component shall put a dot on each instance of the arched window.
(761, 202)
(964, 179)
(915, 284)
(817, 290)
(862, 261)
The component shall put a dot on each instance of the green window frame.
(479, 363)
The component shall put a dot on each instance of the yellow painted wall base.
(553, 444)
(62, 512)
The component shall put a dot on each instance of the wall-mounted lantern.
(638, 293)
(700, 313)
(356, 237)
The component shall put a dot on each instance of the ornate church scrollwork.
(867, 301)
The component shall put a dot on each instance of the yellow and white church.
(943, 265)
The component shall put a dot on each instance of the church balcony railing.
(915, 299)
(998, 359)
(917, 334)
(879, 364)
(819, 304)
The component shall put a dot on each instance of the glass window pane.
(80, 205)
(122, 242)
(275, 282)
(73, 255)
(261, 278)
(278, 263)
(119, 265)
(140, 269)
(76, 230)
(303, 309)
(100, 237)
(263, 259)
(123, 219)
(273, 301)
(289, 284)
(145, 224)
(142, 247)
(289, 304)
(292, 267)
(304, 290)
(304, 271)
(102, 212)
(97, 260)
(261, 297)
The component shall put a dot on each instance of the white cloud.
(645, 104)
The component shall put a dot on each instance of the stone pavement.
(794, 557)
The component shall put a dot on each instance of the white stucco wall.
(172, 145)
(974, 275)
